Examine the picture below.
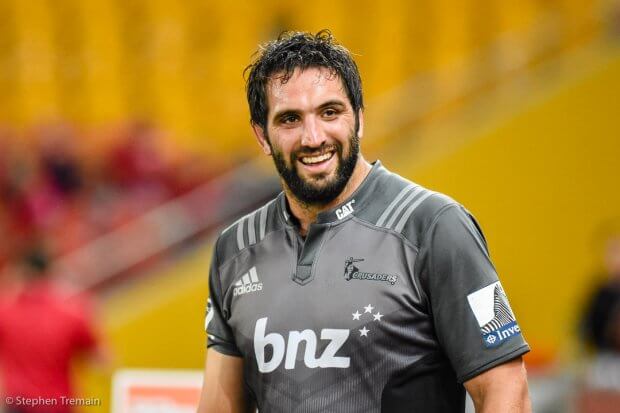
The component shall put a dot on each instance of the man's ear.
(259, 132)
(360, 129)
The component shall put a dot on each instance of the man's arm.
(222, 388)
(501, 389)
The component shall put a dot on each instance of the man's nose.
(313, 135)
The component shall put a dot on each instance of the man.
(601, 321)
(292, 327)
(42, 331)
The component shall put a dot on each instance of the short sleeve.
(473, 320)
(219, 334)
(79, 311)
(85, 338)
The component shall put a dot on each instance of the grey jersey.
(388, 305)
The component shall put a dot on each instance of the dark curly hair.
(293, 50)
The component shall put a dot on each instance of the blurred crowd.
(64, 187)
(601, 321)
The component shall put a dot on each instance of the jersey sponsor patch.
(494, 315)
(310, 348)
(345, 210)
(272, 348)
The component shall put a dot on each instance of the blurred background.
(125, 146)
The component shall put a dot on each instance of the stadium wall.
(543, 183)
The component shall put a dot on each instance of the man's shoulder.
(248, 230)
(405, 207)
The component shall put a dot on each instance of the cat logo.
(345, 210)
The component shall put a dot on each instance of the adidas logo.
(248, 283)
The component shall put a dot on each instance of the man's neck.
(307, 214)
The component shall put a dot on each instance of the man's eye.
(289, 119)
(330, 113)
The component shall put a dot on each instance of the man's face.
(311, 134)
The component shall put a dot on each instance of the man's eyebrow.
(286, 111)
(333, 102)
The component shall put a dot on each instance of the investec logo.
(287, 348)
(248, 283)
(496, 337)
(494, 315)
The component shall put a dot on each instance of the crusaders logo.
(352, 272)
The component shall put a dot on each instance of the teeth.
(316, 159)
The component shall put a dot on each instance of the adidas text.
(244, 289)
(248, 283)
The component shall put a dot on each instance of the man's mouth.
(316, 159)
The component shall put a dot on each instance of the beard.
(321, 190)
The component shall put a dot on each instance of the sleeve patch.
(493, 314)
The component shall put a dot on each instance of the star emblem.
(356, 315)
(377, 317)
(364, 332)
(368, 308)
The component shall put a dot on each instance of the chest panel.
(362, 294)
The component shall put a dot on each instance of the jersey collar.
(356, 202)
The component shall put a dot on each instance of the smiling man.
(354, 290)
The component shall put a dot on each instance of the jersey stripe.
(390, 207)
(251, 230)
(263, 220)
(240, 242)
(417, 190)
(409, 211)
(251, 222)
(253, 275)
